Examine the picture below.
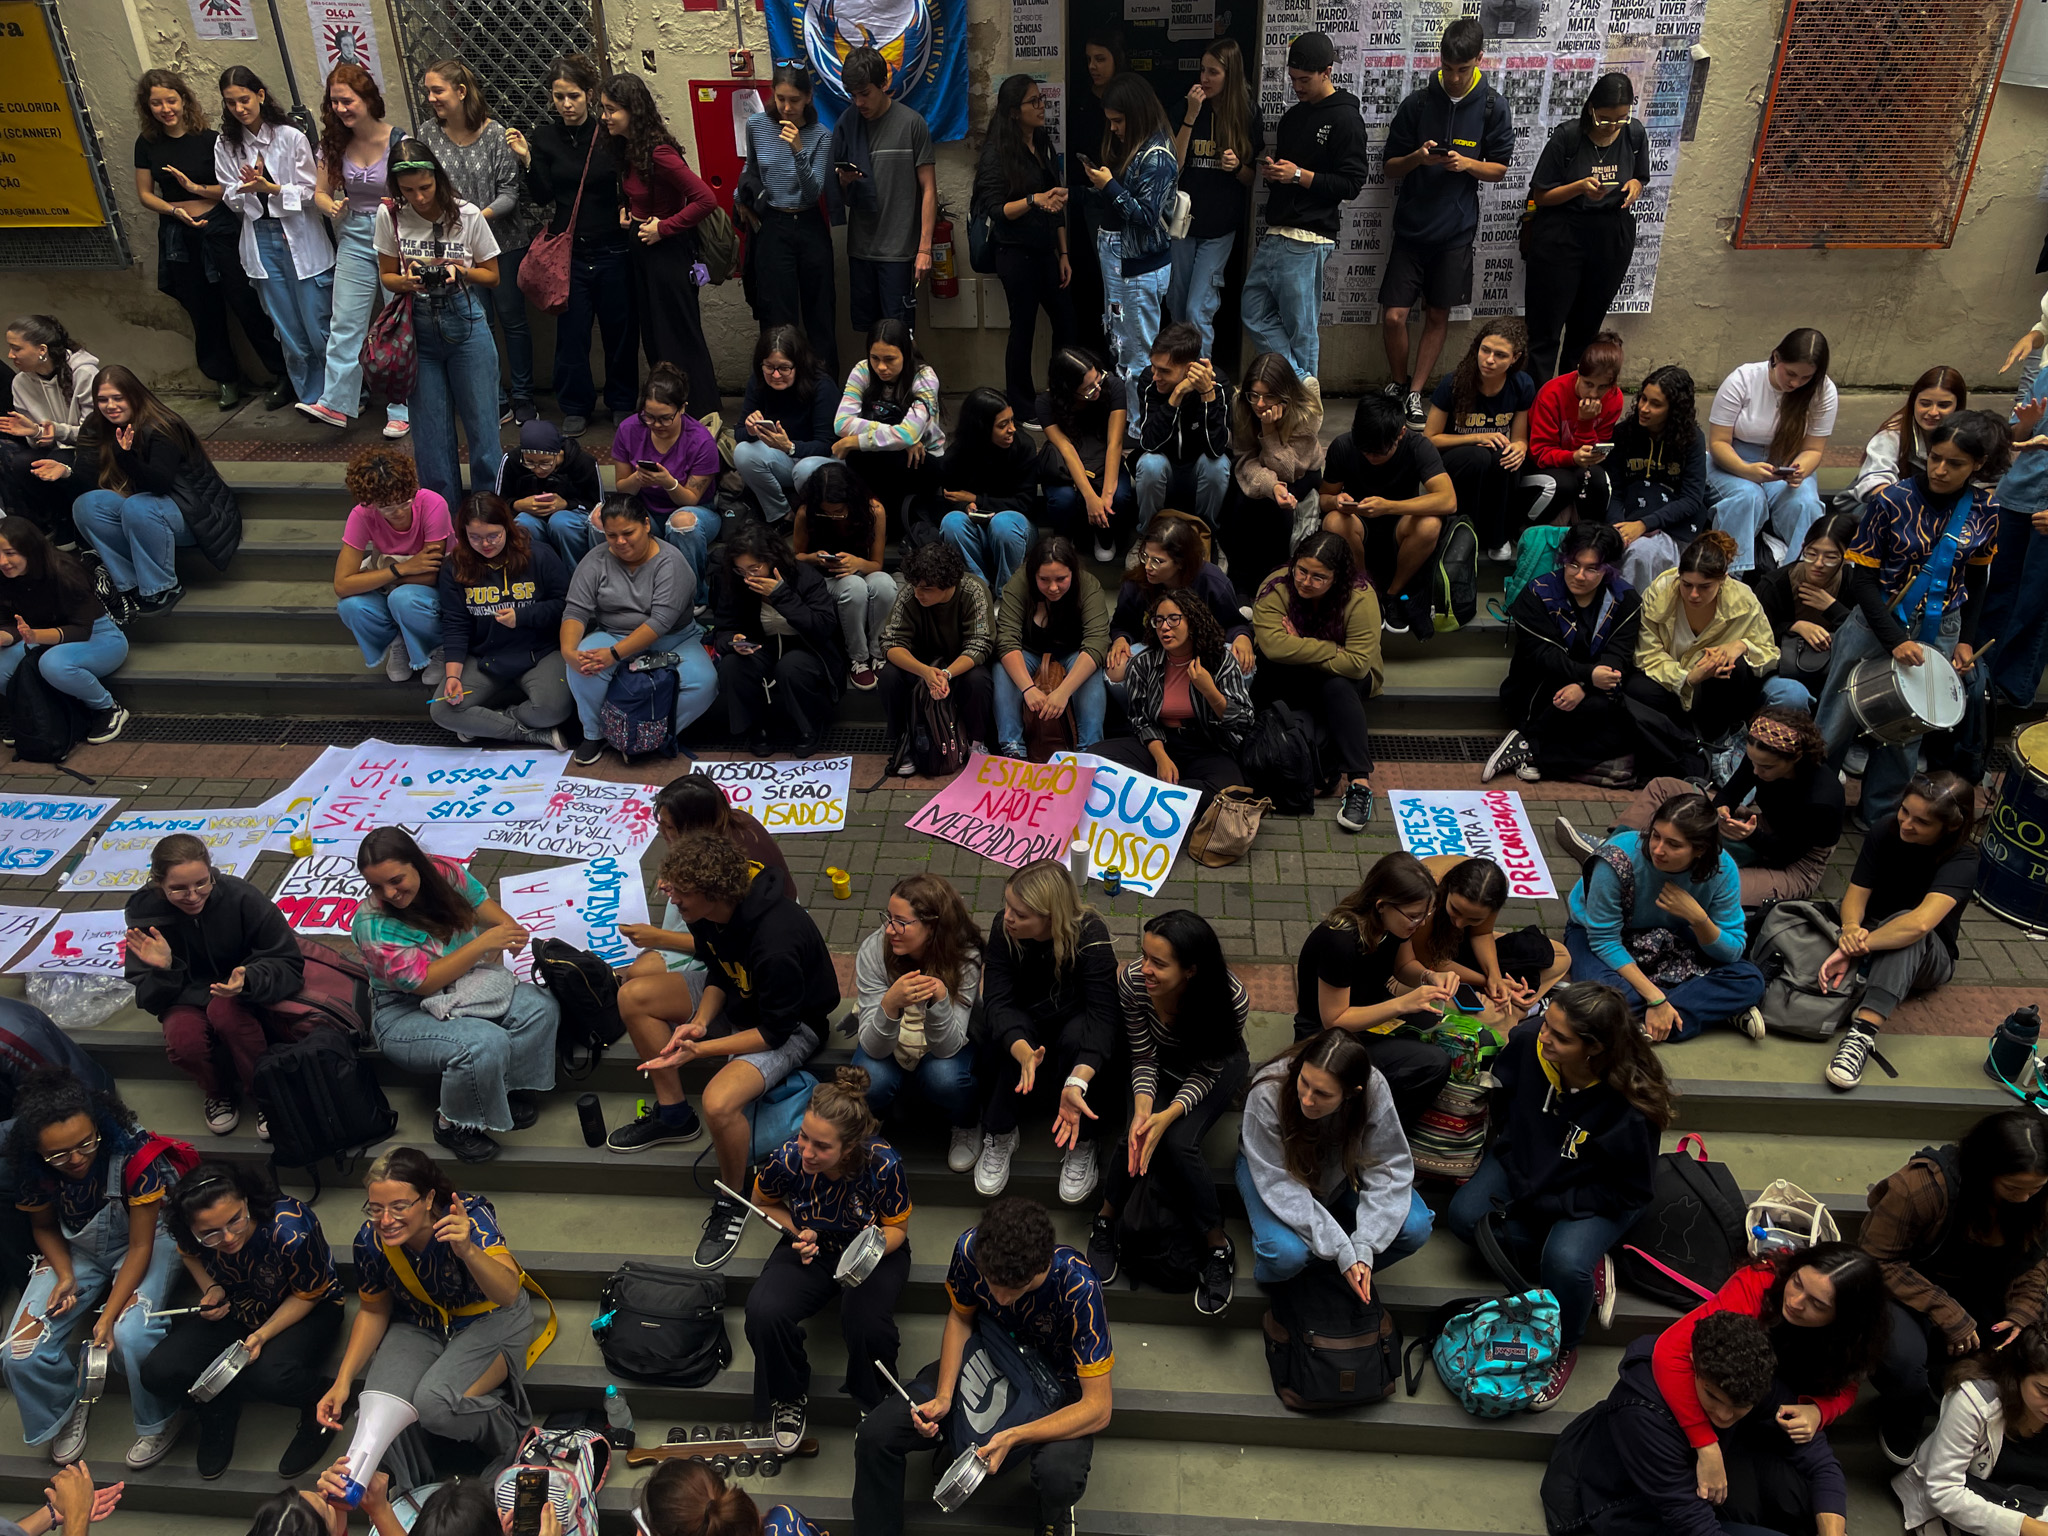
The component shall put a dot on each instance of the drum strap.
(1934, 575)
(401, 1265)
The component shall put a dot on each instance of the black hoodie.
(1437, 208)
(239, 925)
(1326, 138)
(1567, 1155)
(772, 962)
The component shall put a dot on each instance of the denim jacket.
(1150, 177)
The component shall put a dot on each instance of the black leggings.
(291, 1372)
(973, 694)
(1575, 268)
(1482, 484)
(1183, 1173)
(671, 322)
(1338, 703)
(801, 708)
(1030, 276)
(1671, 736)
(793, 271)
(790, 1292)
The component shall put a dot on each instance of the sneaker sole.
(649, 1146)
(1569, 838)
(718, 1263)
(1216, 1311)
(986, 1193)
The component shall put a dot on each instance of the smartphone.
(978, 515)
(745, 647)
(529, 1500)
(1783, 471)
(1467, 999)
(851, 169)
(1600, 450)
(1439, 151)
(648, 466)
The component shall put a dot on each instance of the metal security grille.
(1871, 129)
(508, 44)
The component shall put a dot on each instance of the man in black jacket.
(551, 482)
(1183, 429)
(1319, 163)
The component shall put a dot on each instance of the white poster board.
(382, 785)
(20, 924)
(84, 943)
(788, 797)
(1486, 824)
(580, 904)
(119, 860)
(1133, 822)
(584, 819)
(36, 831)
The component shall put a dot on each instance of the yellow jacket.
(1358, 658)
(1738, 617)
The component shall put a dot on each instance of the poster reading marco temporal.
(46, 178)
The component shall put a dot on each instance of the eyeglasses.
(1304, 577)
(85, 1149)
(1580, 568)
(1823, 562)
(539, 456)
(397, 1210)
(777, 370)
(1163, 620)
(1090, 391)
(892, 922)
(661, 421)
(236, 1223)
(1032, 101)
(1156, 562)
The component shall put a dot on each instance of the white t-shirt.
(1746, 402)
(469, 242)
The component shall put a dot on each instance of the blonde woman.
(1217, 141)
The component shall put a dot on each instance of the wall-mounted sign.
(46, 178)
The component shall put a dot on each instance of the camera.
(433, 279)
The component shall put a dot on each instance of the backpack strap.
(1669, 1273)
(1419, 1346)
(1495, 1255)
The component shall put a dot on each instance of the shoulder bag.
(544, 274)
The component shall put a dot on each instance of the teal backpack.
(1492, 1353)
(1535, 555)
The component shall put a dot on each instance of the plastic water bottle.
(618, 1418)
(2012, 1048)
(1768, 1243)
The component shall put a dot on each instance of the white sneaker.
(1077, 1173)
(1104, 552)
(1752, 1023)
(965, 1148)
(396, 666)
(148, 1450)
(1502, 555)
(70, 1442)
(992, 1168)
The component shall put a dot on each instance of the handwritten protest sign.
(584, 819)
(382, 785)
(119, 861)
(786, 797)
(1008, 811)
(1132, 822)
(1487, 824)
(580, 904)
(36, 831)
(294, 804)
(320, 894)
(90, 943)
(20, 924)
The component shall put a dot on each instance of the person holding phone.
(502, 596)
(1766, 433)
(668, 459)
(781, 660)
(1385, 492)
(785, 433)
(1084, 412)
(889, 427)
(1219, 141)
(1498, 974)
(552, 485)
(788, 172)
(1019, 187)
(989, 483)
(886, 169)
(1571, 433)
(840, 531)
(1478, 420)
(1657, 476)
(1132, 191)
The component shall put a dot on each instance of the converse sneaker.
(1576, 844)
(1529, 773)
(1603, 1292)
(1501, 554)
(262, 1128)
(1355, 814)
(789, 1422)
(1560, 1373)
(221, 1116)
(307, 1446)
(1102, 1250)
(148, 1450)
(1219, 1280)
(992, 1168)
(1852, 1055)
(70, 1442)
(1513, 751)
(106, 725)
(1104, 551)
(652, 1130)
(1752, 1023)
(964, 1148)
(865, 675)
(1078, 1173)
(1418, 414)
(722, 1229)
(588, 751)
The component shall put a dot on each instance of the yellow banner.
(45, 178)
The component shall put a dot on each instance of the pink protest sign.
(1008, 811)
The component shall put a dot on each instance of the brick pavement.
(1263, 908)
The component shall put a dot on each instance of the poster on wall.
(344, 32)
(46, 178)
(2026, 61)
(232, 19)
(923, 40)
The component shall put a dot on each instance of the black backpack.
(1327, 1349)
(1689, 1239)
(320, 1099)
(1453, 585)
(938, 750)
(48, 724)
(1280, 759)
(1156, 1244)
(663, 1325)
(586, 991)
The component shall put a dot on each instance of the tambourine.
(92, 1371)
(861, 1256)
(960, 1480)
(229, 1364)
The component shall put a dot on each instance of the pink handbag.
(544, 274)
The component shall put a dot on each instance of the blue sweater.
(1596, 905)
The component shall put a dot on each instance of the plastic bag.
(79, 1002)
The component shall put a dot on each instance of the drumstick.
(889, 1377)
(743, 1200)
(173, 1312)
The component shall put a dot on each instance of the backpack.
(336, 992)
(981, 240)
(1280, 758)
(638, 715)
(1689, 1238)
(586, 991)
(1535, 555)
(938, 750)
(577, 1462)
(1791, 941)
(1454, 577)
(1492, 1353)
(320, 1099)
(776, 1115)
(1156, 1244)
(718, 245)
(1002, 1384)
(181, 1155)
(1327, 1349)
(48, 725)
(664, 1325)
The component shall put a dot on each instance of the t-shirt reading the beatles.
(467, 242)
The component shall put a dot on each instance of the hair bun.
(1721, 539)
(852, 1079)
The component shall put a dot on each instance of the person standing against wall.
(889, 181)
(788, 159)
(1319, 163)
(1219, 140)
(1018, 186)
(1454, 133)
(1132, 190)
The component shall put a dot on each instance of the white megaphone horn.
(380, 1419)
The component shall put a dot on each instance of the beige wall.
(1889, 314)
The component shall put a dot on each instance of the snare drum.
(861, 1256)
(1895, 703)
(92, 1371)
(960, 1480)
(2012, 874)
(213, 1381)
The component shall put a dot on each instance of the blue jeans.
(77, 666)
(696, 542)
(300, 309)
(1066, 513)
(1195, 292)
(356, 295)
(1089, 702)
(45, 1382)
(138, 536)
(1740, 508)
(1283, 300)
(1570, 1250)
(570, 531)
(992, 546)
(773, 476)
(1280, 1253)
(947, 1083)
(458, 378)
(600, 292)
(1722, 994)
(1890, 768)
(479, 1061)
(880, 290)
(1205, 480)
(1133, 307)
(696, 676)
(2013, 613)
(376, 619)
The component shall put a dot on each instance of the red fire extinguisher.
(945, 282)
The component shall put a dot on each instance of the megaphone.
(381, 1418)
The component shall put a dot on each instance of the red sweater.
(1672, 1360)
(1554, 425)
(676, 195)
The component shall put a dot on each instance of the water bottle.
(2013, 1044)
(1766, 1243)
(618, 1419)
(1077, 862)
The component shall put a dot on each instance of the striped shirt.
(1154, 1049)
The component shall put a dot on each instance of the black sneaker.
(722, 1230)
(216, 1444)
(1852, 1055)
(789, 1422)
(1418, 412)
(1513, 751)
(164, 601)
(650, 1130)
(1893, 1433)
(1102, 1249)
(468, 1146)
(1355, 814)
(106, 725)
(1061, 1524)
(588, 751)
(1414, 617)
(575, 426)
(525, 1109)
(1219, 1280)
(307, 1450)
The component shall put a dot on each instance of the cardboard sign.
(1485, 824)
(36, 831)
(1131, 822)
(584, 819)
(1007, 810)
(320, 894)
(787, 797)
(382, 785)
(88, 943)
(20, 924)
(119, 861)
(581, 904)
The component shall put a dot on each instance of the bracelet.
(615, 654)
(1075, 1080)
(1655, 1002)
